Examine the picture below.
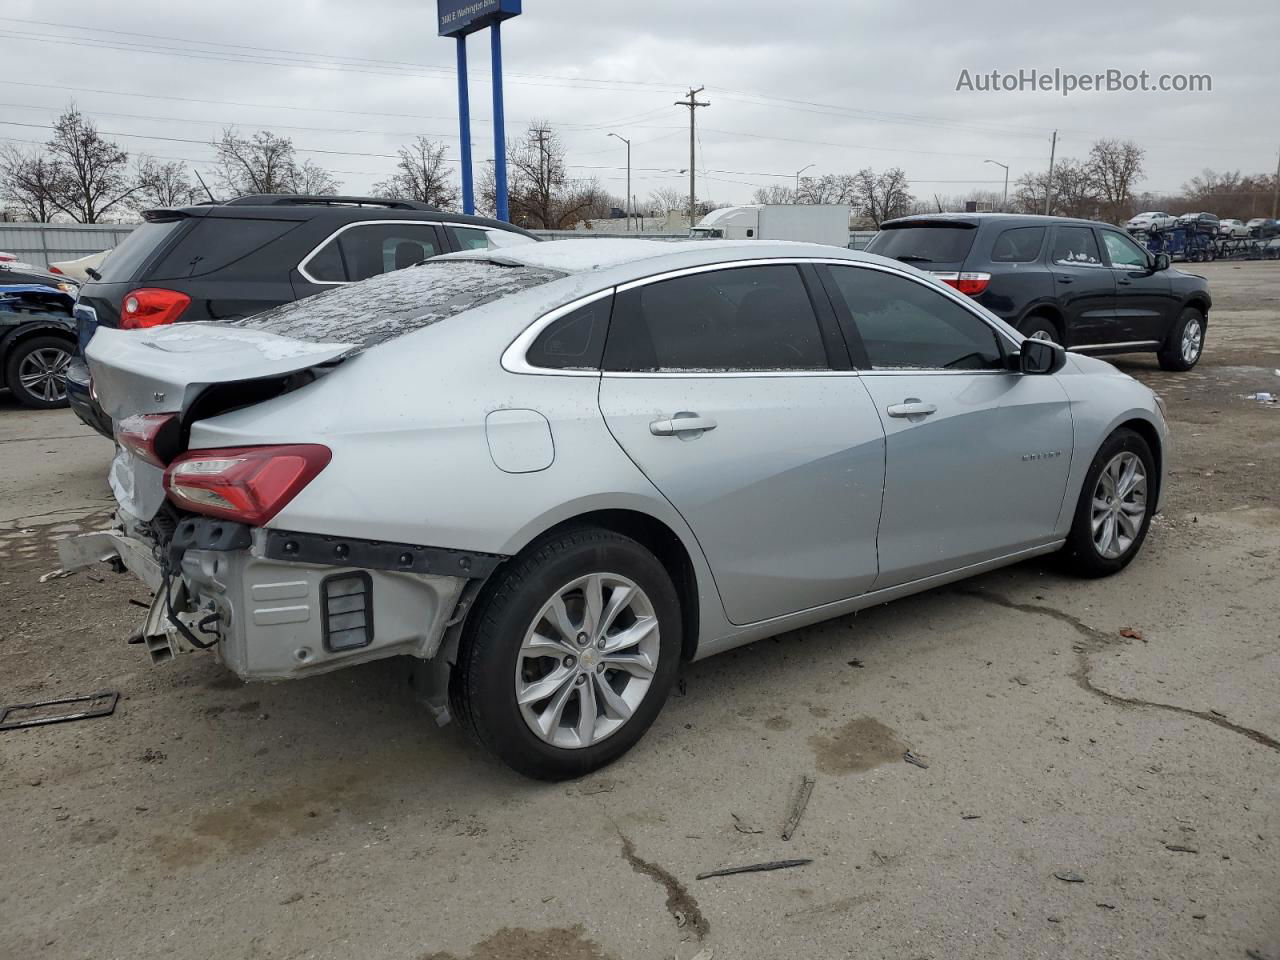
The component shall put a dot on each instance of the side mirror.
(1040, 357)
(1162, 262)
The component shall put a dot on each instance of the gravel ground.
(1102, 780)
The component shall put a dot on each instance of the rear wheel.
(570, 654)
(37, 372)
(1113, 513)
(1186, 341)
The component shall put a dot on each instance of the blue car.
(37, 340)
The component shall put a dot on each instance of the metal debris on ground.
(754, 868)
(797, 809)
(913, 759)
(55, 575)
(43, 712)
(970, 816)
(1132, 634)
(1069, 876)
(1179, 848)
(1105, 906)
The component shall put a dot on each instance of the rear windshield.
(393, 304)
(124, 261)
(943, 243)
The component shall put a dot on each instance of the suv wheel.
(1113, 513)
(570, 654)
(1186, 341)
(1041, 328)
(37, 372)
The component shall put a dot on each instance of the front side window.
(1076, 246)
(740, 318)
(906, 325)
(368, 249)
(1123, 251)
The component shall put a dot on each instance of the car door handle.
(1124, 283)
(674, 426)
(1065, 280)
(911, 407)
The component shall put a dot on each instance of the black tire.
(1081, 553)
(1040, 325)
(38, 352)
(1172, 357)
(483, 684)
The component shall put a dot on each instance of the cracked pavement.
(331, 818)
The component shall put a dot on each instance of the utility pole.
(693, 104)
(1048, 187)
(628, 200)
(1275, 191)
(544, 185)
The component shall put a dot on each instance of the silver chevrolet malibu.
(552, 472)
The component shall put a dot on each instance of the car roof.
(337, 209)
(978, 219)
(574, 256)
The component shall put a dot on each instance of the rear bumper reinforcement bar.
(379, 555)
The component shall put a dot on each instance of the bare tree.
(163, 184)
(774, 193)
(881, 196)
(421, 174)
(829, 188)
(666, 199)
(91, 174)
(27, 183)
(266, 163)
(540, 193)
(1075, 191)
(1114, 166)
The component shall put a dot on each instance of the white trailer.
(808, 222)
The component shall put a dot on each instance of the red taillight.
(151, 307)
(970, 283)
(52, 268)
(248, 484)
(140, 433)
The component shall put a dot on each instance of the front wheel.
(1041, 328)
(1186, 342)
(1113, 513)
(570, 654)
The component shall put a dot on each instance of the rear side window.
(135, 249)
(944, 243)
(469, 238)
(369, 249)
(1019, 245)
(1076, 246)
(574, 341)
(743, 318)
(396, 303)
(214, 243)
(906, 325)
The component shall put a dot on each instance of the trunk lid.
(166, 369)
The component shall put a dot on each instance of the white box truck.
(808, 222)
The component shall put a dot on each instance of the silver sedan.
(552, 472)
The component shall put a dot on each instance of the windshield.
(705, 232)
(943, 243)
(396, 303)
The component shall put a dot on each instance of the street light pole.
(1004, 203)
(798, 172)
(628, 200)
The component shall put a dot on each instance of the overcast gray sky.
(840, 84)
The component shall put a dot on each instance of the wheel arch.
(1047, 311)
(1148, 432)
(26, 331)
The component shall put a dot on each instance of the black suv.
(223, 261)
(1080, 283)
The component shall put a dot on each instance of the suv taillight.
(151, 307)
(248, 484)
(970, 283)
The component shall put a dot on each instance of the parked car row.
(1261, 228)
(37, 333)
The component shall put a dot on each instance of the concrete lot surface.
(1103, 764)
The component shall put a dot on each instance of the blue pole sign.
(458, 18)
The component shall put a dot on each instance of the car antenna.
(203, 184)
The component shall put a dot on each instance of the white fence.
(44, 243)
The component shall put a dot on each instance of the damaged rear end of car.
(199, 507)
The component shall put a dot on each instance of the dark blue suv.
(1086, 285)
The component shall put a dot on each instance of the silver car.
(552, 472)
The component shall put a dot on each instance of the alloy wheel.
(1192, 341)
(1119, 505)
(587, 660)
(43, 373)
(1043, 335)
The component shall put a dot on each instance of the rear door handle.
(1065, 280)
(911, 408)
(681, 423)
